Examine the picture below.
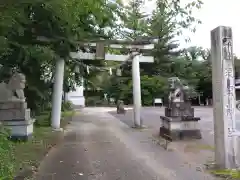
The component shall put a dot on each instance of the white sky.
(213, 13)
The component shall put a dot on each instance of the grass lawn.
(227, 174)
(28, 155)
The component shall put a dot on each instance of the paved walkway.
(99, 147)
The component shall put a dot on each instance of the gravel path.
(98, 146)
(91, 151)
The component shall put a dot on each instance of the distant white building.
(77, 97)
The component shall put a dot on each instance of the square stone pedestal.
(19, 129)
(177, 128)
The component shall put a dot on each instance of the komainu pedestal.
(179, 121)
(14, 113)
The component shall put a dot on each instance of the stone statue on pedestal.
(178, 92)
(179, 117)
(14, 113)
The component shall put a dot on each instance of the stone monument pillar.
(14, 113)
(224, 98)
(179, 121)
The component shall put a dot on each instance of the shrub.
(6, 155)
(67, 106)
(96, 101)
(91, 101)
(44, 119)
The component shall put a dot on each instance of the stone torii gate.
(136, 51)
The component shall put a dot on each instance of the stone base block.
(174, 135)
(20, 138)
(14, 114)
(13, 105)
(179, 111)
(19, 130)
(175, 128)
(180, 123)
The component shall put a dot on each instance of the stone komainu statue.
(120, 107)
(178, 92)
(13, 90)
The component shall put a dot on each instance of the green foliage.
(151, 87)
(35, 33)
(94, 101)
(67, 106)
(135, 20)
(195, 71)
(43, 119)
(230, 174)
(6, 155)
